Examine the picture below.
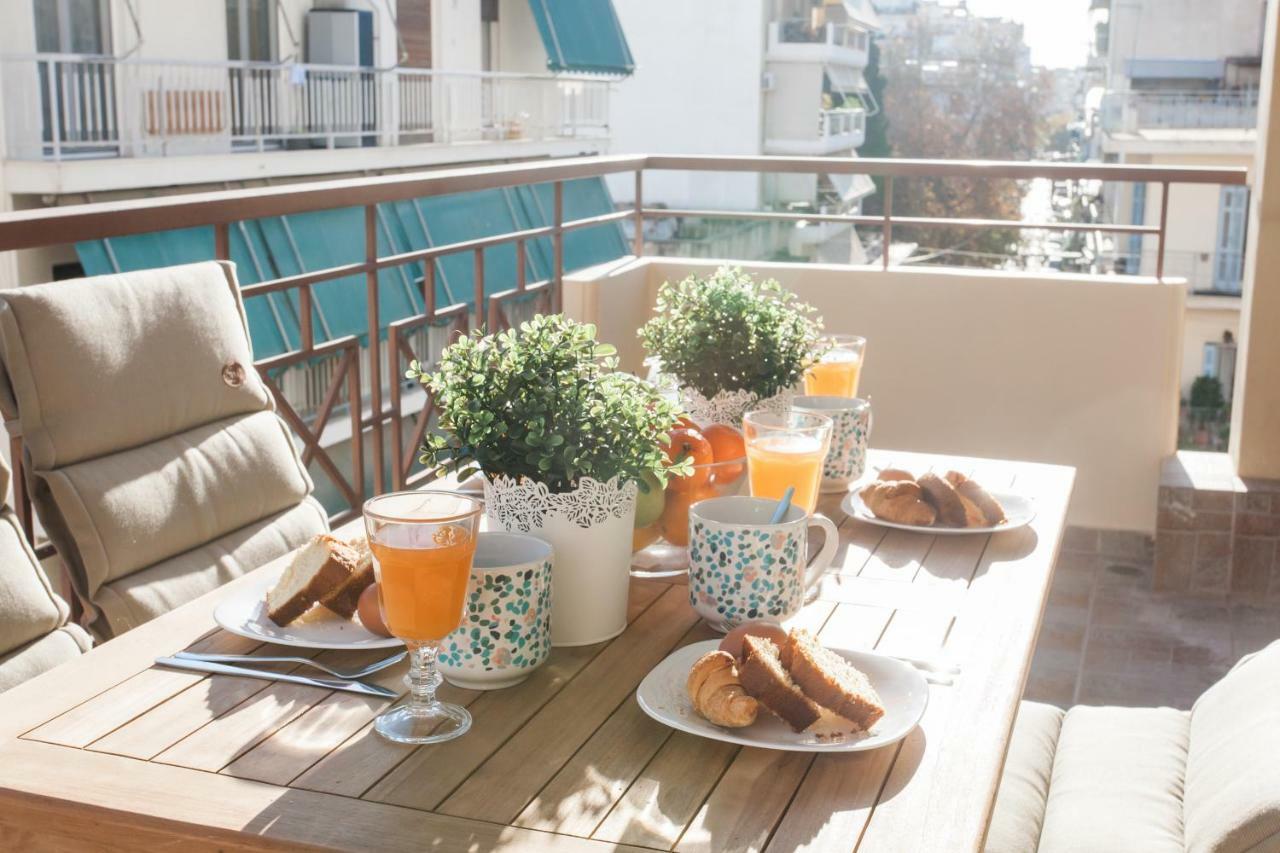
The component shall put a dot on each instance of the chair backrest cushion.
(29, 609)
(1232, 795)
(98, 365)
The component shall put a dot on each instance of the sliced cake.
(344, 599)
(830, 680)
(763, 676)
(320, 568)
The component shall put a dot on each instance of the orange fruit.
(643, 537)
(727, 445)
(685, 422)
(691, 444)
(675, 515)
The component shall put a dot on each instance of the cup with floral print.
(846, 459)
(506, 627)
(742, 567)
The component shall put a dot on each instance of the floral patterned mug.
(741, 567)
(506, 628)
(846, 460)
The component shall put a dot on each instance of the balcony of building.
(91, 123)
(830, 43)
(838, 130)
(1157, 122)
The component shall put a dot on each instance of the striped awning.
(583, 36)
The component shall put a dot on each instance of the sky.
(1057, 31)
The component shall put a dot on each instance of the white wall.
(696, 90)
(1074, 370)
(1208, 317)
(1181, 29)
(519, 46)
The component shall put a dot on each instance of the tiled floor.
(1107, 639)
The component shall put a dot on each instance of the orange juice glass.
(422, 544)
(836, 372)
(786, 449)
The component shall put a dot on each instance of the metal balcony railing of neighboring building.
(380, 419)
(64, 106)
(1134, 111)
(803, 31)
(1216, 273)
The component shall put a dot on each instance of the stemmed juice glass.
(836, 372)
(422, 543)
(786, 449)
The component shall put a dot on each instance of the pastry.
(943, 497)
(344, 599)
(718, 694)
(992, 511)
(895, 474)
(320, 568)
(900, 501)
(973, 516)
(767, 680)
(732, 642)
(830, 680)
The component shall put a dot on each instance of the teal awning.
(582, 35)
(270, 248)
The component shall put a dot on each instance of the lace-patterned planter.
(589, 530)
(728, 407)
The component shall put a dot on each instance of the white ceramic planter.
(589, 530)
(728, 407)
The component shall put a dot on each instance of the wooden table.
(108, 752)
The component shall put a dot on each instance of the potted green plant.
(562, 441)
(731, 343)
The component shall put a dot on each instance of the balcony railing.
(392, 451)
(1219, 272)
(1134, 111)
(62, 106)
(841, 39)
(842, 122)
(838, 130)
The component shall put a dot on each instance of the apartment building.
(111, 99)
(747, 77)
(1183, 95)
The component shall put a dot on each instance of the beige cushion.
(42, 655)
(97, 365)
(154, 451)
(1024, 785)
(1233, 765)
(135, 508)
(151, 592)
(1117, 782)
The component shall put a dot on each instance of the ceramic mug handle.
(820, 564)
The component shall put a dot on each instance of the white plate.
(244, 612)
(903, 690)
(1018, 512)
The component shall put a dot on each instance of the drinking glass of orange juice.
(836, 371)
(786, 449)
(422, 544)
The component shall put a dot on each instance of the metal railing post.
(1164, 221)
(638, 249)
(478, 274)
(886, 228)
(557, 243)
(222, 241)
(375, 361)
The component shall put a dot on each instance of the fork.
(344, 674)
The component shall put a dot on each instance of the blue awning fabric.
(583, 35)
(270, 248)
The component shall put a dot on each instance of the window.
(251, 30)
(72, 26)
(1228, 262)
(1211, 360)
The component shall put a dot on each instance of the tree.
(876, 142)
(980, 104)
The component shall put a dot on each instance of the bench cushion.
(138, 507)
(141, 355)
(41, 655)
(1117, 782)
(1233, 765)
(1024, 785)
(151, 592)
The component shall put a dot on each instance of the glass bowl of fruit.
(661, 537)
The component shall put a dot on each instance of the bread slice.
(763, 676)
(321, 567)
(345, 598)
(830, 680)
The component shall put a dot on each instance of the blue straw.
(783, 505)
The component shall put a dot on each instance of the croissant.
(900, 501)
(894, 474)
(717, 693)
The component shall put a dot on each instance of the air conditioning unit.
(766, 81)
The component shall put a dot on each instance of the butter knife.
(268, 675)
